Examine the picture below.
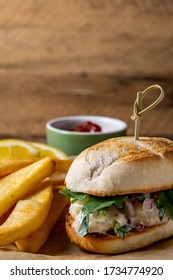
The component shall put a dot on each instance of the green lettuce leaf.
(84, 226)
(121, 231)
(93, 203)
(140, 198)
(74, 195)
(165, 203)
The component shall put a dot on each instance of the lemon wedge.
(46, 150)
(14, 148)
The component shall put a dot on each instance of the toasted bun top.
(122, 165)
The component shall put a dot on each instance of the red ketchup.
(87, 127)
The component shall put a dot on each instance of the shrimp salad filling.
(119, 214)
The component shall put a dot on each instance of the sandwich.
(121, 194)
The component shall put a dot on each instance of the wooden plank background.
(62, 57)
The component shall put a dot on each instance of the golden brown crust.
(122, 165)
(112, 244)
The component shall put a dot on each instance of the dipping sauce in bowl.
(87, 127)
(73, 134)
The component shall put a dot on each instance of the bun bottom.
(112, 244)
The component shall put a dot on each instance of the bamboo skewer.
(138, 111)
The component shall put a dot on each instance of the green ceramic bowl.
(59, 134)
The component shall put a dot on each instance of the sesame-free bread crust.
(122, 165)
(112, 244)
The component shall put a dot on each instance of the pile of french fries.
(30, 203)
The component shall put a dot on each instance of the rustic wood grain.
(83, 57)
(94, 36)
(27, 104)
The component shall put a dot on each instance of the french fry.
(8, 166)
(18, 184)
(33, 242)
(63, 165)
(28, 215)
(4, 217)
(57, 178)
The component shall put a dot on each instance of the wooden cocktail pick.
(138, 111)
